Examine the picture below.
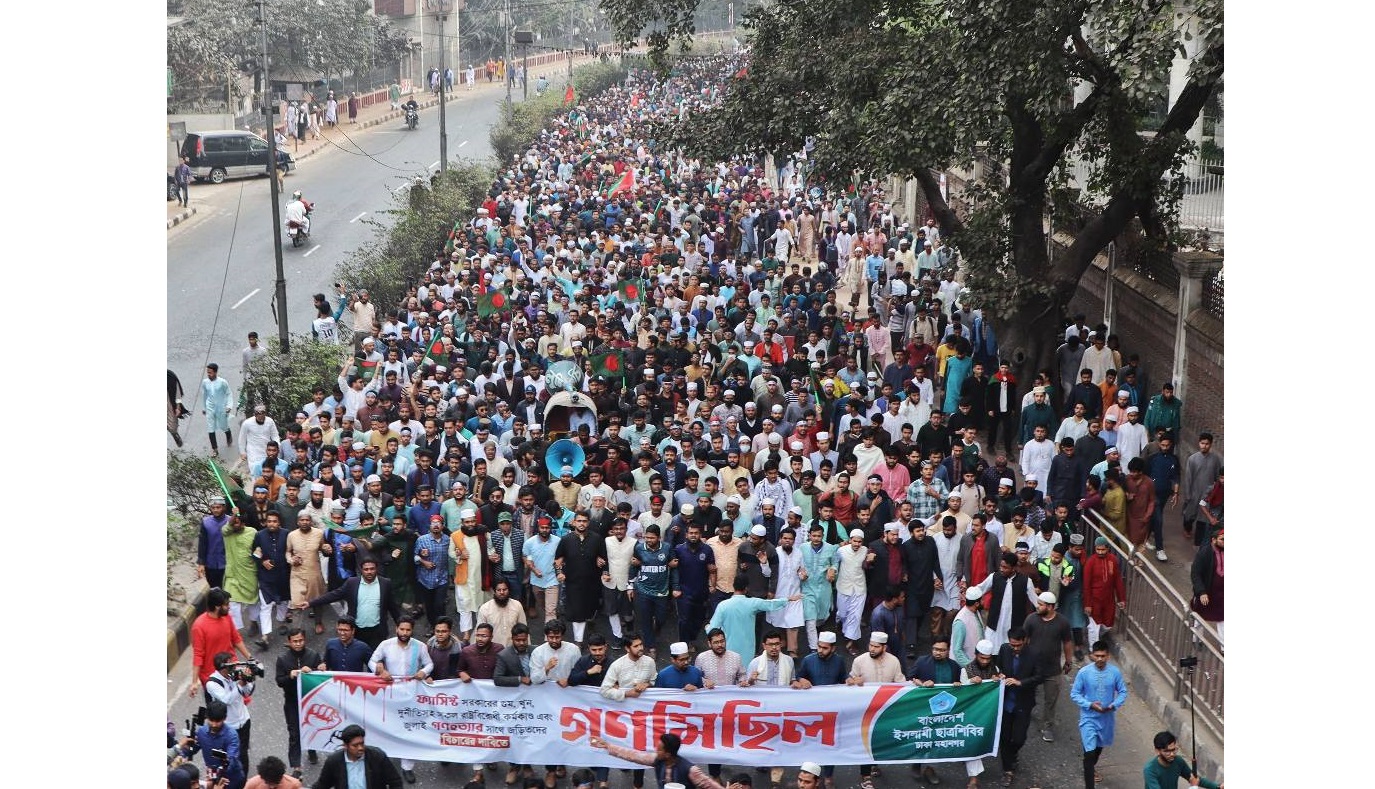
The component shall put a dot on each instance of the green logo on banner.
(944, 723)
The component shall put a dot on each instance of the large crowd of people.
(784, 465)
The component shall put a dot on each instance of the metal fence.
(1202, 203)
(1162, 629)
(1212, 295)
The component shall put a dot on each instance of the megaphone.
(564, 453)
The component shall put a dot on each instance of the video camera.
(194, 722)
(244, 670)
(213, 772)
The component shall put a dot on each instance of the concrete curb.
(390, 116)
(1156, 691)
(182, 217)
(179, 634)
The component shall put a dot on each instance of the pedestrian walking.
(175, 409)
(302, 123)
(394, 95)
(1206, 577)
(183, 179)
(353, 107)
(332, 110)
(216, 406)
(1099, 690)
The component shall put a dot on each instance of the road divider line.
(245, 298)
(465, 142)
(356, 218)
(435, 164)
(312, 249)
(399, 188)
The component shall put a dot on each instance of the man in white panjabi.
(466, 553)
(790, 577)
(851, 587)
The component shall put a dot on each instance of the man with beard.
(579, 560)
(431, 557)
(538, 556)
(298, 659)
(369, 602)
(274, 580)
(304, 545)
(468, 552)
(210, 543)
(501, 612)
(790, 574)
(393, 550)
(241, 575)
(402, 657)
(1010, 597)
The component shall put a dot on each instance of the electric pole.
(283, 335)
(506, 32)
(442, 9)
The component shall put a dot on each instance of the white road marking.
(435, 164)
(312, 249)
(465, 142)
(402, 186)
(356, 218)
(245, 298)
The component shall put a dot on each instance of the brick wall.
(1145, 323)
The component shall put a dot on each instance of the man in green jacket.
(1164, 411)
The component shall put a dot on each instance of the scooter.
(298, 232)
(412, 118)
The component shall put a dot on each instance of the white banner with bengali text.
(454, 721)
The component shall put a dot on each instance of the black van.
(217, 155)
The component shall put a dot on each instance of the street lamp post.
(283, 335)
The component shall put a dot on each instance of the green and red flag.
(609, 363)
(631, 290)
(435, 349)
(491, 302)
(364, 368)
(626, 183)
(569, 95)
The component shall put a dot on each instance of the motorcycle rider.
(409, 107)
(298, 211)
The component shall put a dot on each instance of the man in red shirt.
(213, 632)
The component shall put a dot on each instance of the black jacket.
(381, 773)
(1020, 698)
(348, 592)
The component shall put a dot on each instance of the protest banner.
(454, 721)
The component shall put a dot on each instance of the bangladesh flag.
(435, 350)
(491, 302)
(569, 96)
(233, 492)
(609, 364)
(631, 291)
(364, 368)
(625, 184)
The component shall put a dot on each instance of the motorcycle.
(298, 232)
(412, 118)
(173, 191)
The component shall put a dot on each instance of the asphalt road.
(1054, 765)
(221, 261)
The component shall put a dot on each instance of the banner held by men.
(473, 722)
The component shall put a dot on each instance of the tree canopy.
(330, 36)
(907, 88)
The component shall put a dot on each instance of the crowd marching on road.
(768, 485)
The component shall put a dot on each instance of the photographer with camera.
(231, 685)
(218, 743)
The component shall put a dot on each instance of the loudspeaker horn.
(564, 453)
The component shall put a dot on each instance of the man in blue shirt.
(214, 735)
(680, 673)
(432, 568)
(696, 563)
(822, 667)
(346, 653)
(652, 585)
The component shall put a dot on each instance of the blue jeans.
(1158, 520)
(650, 615)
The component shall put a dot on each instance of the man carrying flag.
(491, 302)
(625, 184)
(610, 364)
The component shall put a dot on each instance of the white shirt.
(228, 691)
(1036, 457)
(1131, 441)
(625, 673)
(568, 655)
(253, 438)
(850, 579)
(402, 661)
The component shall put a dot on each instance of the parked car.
(217, 155)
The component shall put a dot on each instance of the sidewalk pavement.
(379, 113)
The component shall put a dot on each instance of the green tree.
(911, 87)
(283, 382)
(402, 250)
